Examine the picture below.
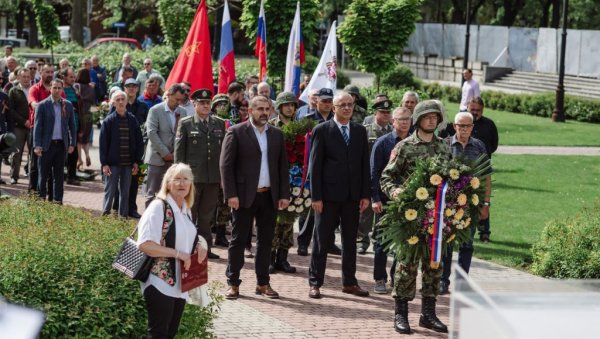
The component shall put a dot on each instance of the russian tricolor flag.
(295, 56)
(226, 56)
(260, 50)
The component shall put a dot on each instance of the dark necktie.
(345, 134)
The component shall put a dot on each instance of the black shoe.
(281, 263)
(401, 324)
(444, 288)
(212, 255)
(302, 251)
(334, 250)
(361, 250)
(73, 182)
(134, 215)
(2, 182)
(428, 317)
(272, 264)
(484, 238)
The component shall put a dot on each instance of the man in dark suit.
(254, 173)
(339, 178)
(53, 137)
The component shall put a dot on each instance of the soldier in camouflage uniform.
(422, 143)
(380, 126)
(358, 113)
(283, 239)
(220, 107)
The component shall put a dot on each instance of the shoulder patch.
(393, 155)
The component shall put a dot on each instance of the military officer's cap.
(351, 89)
(425, 107)
(285, 98)
(325, 93)
(383, 105)
(202, 94)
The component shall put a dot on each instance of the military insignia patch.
(393, 155)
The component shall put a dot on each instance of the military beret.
(325, 93)
(383, 105)
(201, 95)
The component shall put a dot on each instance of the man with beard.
(235, 92)
(254, 172)
(187, 104)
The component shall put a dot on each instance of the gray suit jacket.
(161, 134)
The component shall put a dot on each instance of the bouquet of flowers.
(100, 112)
(436, 206)
(297, 146)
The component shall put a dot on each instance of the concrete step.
(541, 82)
(542, 90)
(550, 85)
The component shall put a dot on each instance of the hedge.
(58, 259)
(569, 248)
(542, 104)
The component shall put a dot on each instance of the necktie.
(345, 134)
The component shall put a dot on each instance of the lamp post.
(467, 37)
(559, 110)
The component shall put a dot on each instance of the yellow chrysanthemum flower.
(412, 240)
(459, 214)
(454, 174)
(410, 214)
(430, 230)
(475, 199)
(422, 193)
(461, 199)
(451, 238)
(467, 222)
(449, 212)
(435, 180)
(475, 182)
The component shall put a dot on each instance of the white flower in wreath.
(291, 208)
(307, 202)
(299, 209)
(298, 201)
(296, 191)
(430, 205)
(306, 192)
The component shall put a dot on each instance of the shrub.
(399, 77)
(58, 259)
(569, 248)
(342, 79)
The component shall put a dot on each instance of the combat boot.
(281, 264)
(221, 238)
(428, 317)
(272, 265)
(401, 324)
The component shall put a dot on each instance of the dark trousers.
(51, 165)
(325, 224)
(380, 257)
(72, 165)
(264, 212)
(205, 204)
(164, 313)
(465, 254)
(306, 233)
(33, 165)
(484, 226)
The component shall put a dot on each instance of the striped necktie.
(345, 134)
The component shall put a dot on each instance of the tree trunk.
(511, 10)
(78, 9)
(33, 31)
(555, 13)
(545, 12)
(458, 14)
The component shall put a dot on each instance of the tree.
(47, 23)
(175, 19)
(376, 31)
(78, 10)
(132, 12)
(279, 15)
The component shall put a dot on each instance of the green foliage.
(342, 79)
(374, 32)
(541, 104)
(134, 13)
(569, 248)
(311, 64)
(175, 19)
(47, 22)
(58, 259)
(399, 77)
(279, 15)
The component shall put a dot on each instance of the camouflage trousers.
(405, 278)
(223, 213)
(283, 238)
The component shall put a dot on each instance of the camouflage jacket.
(358, 114)
(404, 157)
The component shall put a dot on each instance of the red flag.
(194, 63)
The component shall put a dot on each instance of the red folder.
(196, 276)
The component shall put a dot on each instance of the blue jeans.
(51, 166)
(119, 180)
(465, 254)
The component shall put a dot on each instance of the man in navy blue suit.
(340, 190)
(53, 137)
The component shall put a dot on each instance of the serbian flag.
(260, 50)
(295, 56)
(194, 63)
(226, 56)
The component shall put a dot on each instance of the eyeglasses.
(33, 68)
(345, 106)
(464, 126)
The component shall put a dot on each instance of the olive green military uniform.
(198, 144)
(401, 165)
(358, 114)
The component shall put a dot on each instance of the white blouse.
(150, 229)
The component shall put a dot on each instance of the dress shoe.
(13, 181)
(361, 250)
(248, 253)
(356, 290)
(302, 251)
(233, 292)
(267, 291)
(314, 292)
(73, 182)
(134, 215)
(212, 255)
(334, 250)
(484, 238)
(444, 288)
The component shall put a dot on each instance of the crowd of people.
(236, 170)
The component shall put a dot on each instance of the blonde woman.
(166, 233)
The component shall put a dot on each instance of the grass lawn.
(527, 130)
(528, 191)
